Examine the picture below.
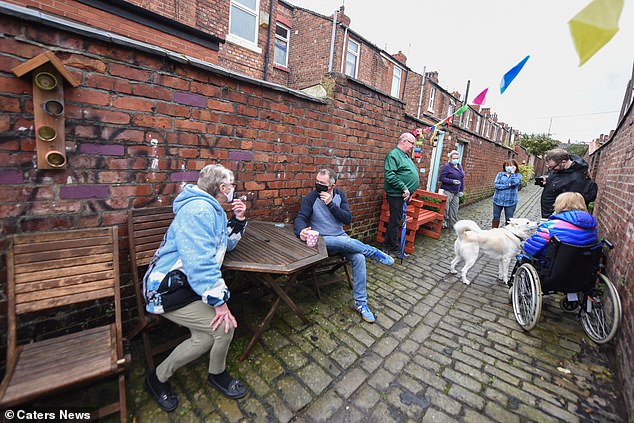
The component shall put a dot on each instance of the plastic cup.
(311, 238)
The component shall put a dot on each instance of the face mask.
(230, 195)
(455, 161)
(510, 169)
(320, 187)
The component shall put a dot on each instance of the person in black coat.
(566, 173)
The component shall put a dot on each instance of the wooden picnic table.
(267, 250)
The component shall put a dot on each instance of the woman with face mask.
(506, 186)
(184, 283)
(452, 185)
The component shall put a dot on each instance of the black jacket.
(572, 179)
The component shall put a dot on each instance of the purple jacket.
(448, 174)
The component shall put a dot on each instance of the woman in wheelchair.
(565, 256)
(571, 223)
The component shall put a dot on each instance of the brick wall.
(613, 164)
(140, 126)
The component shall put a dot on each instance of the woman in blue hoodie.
(571, 223)
(506, 186)
(184, 284)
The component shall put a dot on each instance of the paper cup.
(311, 238)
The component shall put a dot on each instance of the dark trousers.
(394, 225)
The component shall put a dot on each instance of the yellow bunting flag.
(594, 26)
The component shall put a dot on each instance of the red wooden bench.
(424, 215)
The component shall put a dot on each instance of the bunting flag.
(510, 75)
(461, 110)
(594, 26)
(480, 99)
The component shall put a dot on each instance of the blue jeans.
(509, 211)
(356, 251)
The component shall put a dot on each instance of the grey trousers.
(451, 211)
(196, 317)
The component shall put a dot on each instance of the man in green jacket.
(401, 180)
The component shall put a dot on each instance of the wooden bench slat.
(46, 303)
(37, 238)
(62, 244)
(48, 284)
(46, 256)
(63, 272)
(57, 263)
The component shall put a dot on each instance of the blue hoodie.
(575, 227)
(195, 244)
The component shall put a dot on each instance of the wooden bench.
(425, 213)
(146, 229)
(50, 270)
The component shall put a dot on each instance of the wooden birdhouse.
(48, 75)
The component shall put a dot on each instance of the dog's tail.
(463, 226)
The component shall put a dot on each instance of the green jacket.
(400, 173)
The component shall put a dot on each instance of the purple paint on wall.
(84, 191)
(11, 177)
(244, 156)
(190, 99)
(184, 176)
(103, 149)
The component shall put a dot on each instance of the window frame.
(287, 40)
(238, 39)
(400, 81)
(432, 96)
(357, 55)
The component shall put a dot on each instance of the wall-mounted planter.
(46, 133)
(56, 159)
(53, 107)
(48, 74)
(45, 81)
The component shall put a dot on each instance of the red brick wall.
(614, 167)
(99, 19)
(132, 110)
(310, 49)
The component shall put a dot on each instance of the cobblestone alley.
(439, 351)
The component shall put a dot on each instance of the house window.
(432, 94)
(452, 106)
(465, 119)
(352, 58)
(244, 20)
(280, 55)
(396, 81)
(478, 122)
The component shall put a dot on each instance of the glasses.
(410, 142)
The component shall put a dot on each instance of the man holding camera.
(326, 210)
(566, 173)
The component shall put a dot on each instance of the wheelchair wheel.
(602, 322)
(527, 297)
(569, 306)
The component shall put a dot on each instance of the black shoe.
(397, 254)
(235, 390)
(162, 393)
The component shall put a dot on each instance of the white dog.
(500, 243)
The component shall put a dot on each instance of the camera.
(540, 180)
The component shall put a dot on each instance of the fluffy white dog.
(500, 243)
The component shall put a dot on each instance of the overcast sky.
(480, 40)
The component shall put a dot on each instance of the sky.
(480, 40)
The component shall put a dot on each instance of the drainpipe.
(343, 48)
(332, 39)
(268, 41)
(422, 87)
(466, 97)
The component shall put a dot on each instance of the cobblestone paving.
(439, 351)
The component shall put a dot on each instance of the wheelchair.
(578, 273)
